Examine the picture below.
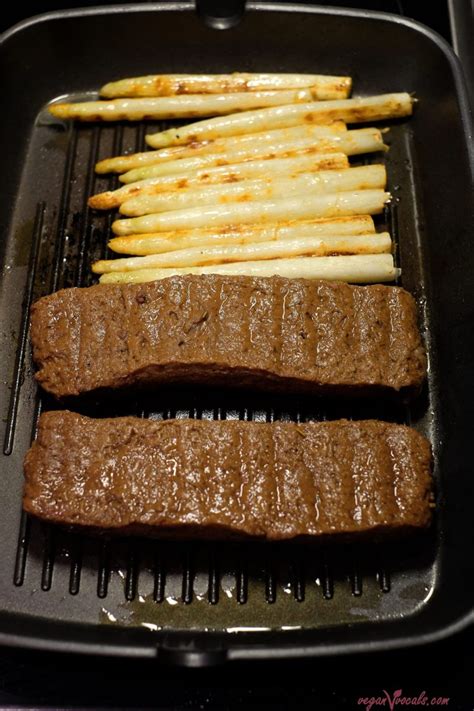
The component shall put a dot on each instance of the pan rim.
(208, 655)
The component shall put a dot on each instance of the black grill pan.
(202, 603)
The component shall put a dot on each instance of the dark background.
(59, 680)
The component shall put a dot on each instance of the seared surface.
(266, 333)
(228, 478)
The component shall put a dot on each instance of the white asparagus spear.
(225, 254)
(324, 86)
(358, 110)
(173, 107)
(291, 165)
(157, 243)
(302, 207)
(120, 164)
(325, 181)
(356, 269)
(363, 140)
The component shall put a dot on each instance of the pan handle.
(220, 15)
(191, 658)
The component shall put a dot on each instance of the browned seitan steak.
(229, 478)
(266, 333)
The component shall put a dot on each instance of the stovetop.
(29, 678)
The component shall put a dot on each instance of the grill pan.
(199, 604)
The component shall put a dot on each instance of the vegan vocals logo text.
(399, 699)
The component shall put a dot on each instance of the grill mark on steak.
(268, 333)
(273, 480)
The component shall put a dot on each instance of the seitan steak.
(229, 478)
(267, 333)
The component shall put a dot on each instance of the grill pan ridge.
(203, 603)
